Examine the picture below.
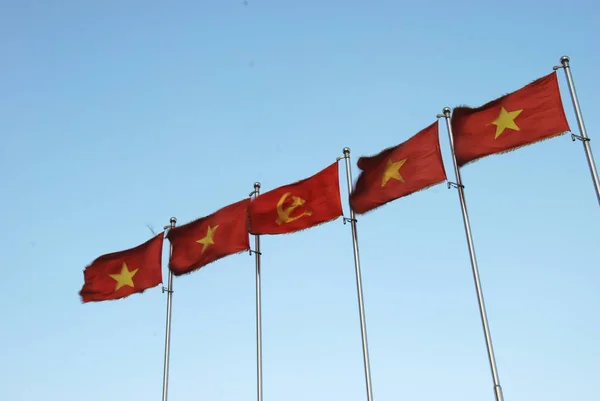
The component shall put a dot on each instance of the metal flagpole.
(564, 60)
(361, 307)
(169, 291)
(257, 254)
(463, 204)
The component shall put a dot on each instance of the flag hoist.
(461, 195)
(169, 291)
(564, 60)
(257, 255)
(361, 307)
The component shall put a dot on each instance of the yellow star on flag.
(124, 278)
(506, 119)
(208, 238)
(392, 170)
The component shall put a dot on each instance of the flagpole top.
(564, 60)
(446, 111)
(256, 189)
(346, 151)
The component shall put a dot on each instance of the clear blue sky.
(119, 114)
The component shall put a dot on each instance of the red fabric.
(229, 230)
(422, 166)
(298, 206)
(144, 259)
(542, 117)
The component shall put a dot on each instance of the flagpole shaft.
(169, 291)
(361, 307)
(482, 311)
(584, 137)
(259, 390)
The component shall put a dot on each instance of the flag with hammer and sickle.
(298, 206)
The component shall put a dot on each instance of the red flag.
(303, 204)
(207, 239)
(399, 171)
(528, 115)
(120, 274)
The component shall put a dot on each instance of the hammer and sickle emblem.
(283, 214)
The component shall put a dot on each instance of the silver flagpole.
(564, 60)
(463, 204)
(259, 392)
(361, 307)
(169, 291)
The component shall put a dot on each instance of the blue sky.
(116, 115)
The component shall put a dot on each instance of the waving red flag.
(303, 204)
(120, 274)
(528, 115)
(210, 238)
(399, 171)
